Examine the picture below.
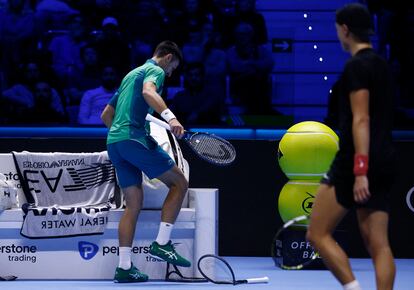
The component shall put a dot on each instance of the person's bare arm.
(361, 132)
(107, 115)
(155, 101)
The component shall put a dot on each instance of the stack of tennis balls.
(305, 154)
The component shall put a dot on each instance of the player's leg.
(162, 247)
(133, 203)
(374, 231)
(178, 185)
(129, 179)
(156, 163)
(326, 214)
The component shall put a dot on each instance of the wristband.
(360, 164)
(167, 115)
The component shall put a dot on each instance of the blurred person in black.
(227, 15)
(90, 75)
(395, 31)
(94, 101)
(86, 76)
(18, 36)
(198, 103)
(113, 48)
(250, 66)
(20, 96)
(53, 14)
(43, 112)
(65, 50)
(141, 14)
(361, 174)
(201, 47)
(246, 12)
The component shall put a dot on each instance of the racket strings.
(213, 148)
(216, 270)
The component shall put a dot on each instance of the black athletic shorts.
(341, 176)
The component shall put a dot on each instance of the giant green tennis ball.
(307, 150)
(296, 198)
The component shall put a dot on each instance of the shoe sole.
(117, 281)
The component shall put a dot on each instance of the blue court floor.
(244, 267)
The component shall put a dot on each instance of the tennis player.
(361, 173)
(132, 151)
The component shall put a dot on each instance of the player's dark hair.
(167, 47)
(358, 19)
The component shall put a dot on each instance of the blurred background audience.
(71, 56)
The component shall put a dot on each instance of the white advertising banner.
(55, 222)
(80, 258)
(96, 257)
(65, 179)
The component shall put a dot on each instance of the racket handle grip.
(258, 280)
(157, 121)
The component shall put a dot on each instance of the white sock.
(125, 258)
(164, 233)
(354, 285)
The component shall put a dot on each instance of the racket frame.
(234, 281)
(181, 277)
(189, 135)
(286, 225)
(8, 278)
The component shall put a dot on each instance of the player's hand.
(176, 128)
(361, 190)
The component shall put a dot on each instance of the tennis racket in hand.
(208, 147)
(218, 271)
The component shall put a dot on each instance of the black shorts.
(342, 178)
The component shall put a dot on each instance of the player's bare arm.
(155, 101)
(360, 131)
(108, 115)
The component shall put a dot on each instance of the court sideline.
(244, 267)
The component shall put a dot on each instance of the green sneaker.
(129, 276)
(167, 253)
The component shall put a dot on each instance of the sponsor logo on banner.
(53, 164)
(142, 250)
(60, 222)
(307, 203)
(80, 178)
(409, 199)
(87, 250)
(303, 248)
(18, 253)
(13, 176)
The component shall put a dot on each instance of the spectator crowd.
(62, 60)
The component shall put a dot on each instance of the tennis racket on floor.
(173, 274)
(293, 258)
(8, 278)
(208, 147)
(218, 271)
